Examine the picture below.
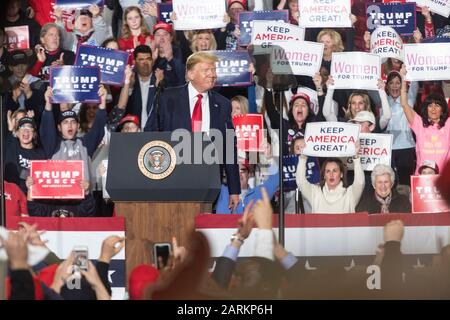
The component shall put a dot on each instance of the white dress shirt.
(145, 85)
(205, 106)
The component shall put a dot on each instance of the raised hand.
(262, 211)
(40, 52)
(110, 247)
(95, 10)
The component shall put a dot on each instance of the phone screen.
(81, 258)
(161, 254)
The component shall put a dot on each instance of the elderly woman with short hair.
(385, 199)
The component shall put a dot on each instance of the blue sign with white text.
(400, 16)
(164, 11)
(73, 84)
(246, 22)
(233, 68)
(290, 163)
(111, 62)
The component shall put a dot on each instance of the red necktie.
(197, 115)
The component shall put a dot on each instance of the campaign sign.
(355, 70)
(324, 13)
(57, 179)
(331, 139)
(249, 131)
(79, 4)
(296, 57)
(426, 197)
(427, 61)
(72, 84)
(265, 32)
(164, 12)
(386, 43)
(199, 14)
(17, 38)
(111, 62)
(441, 7)
(374, 149)
(400, 16)
(290, 163)
(247, 18)
(233, 68)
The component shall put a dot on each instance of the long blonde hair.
(213, 43)
(126, 32)
(336, 38)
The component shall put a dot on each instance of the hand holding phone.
(161, 254)
(81, 260)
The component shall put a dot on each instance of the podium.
(159, 186)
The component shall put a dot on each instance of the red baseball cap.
(163, 25)
(300, 95)
(128, 118)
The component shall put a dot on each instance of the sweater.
(324, 200)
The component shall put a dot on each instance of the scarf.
(384, 202)
(82, 38)
(74, 150)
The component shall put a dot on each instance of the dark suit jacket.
(134, 105)
(174, 113)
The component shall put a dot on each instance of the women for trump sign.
(199, 14)
(441, 7)
(54, 179)
(355, 70)
(427, 61)
(331, 139)
(296, 57)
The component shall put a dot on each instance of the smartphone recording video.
(161, 254)
(81, 258)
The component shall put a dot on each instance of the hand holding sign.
(59, 62)
(102, 94)
(95, 10)
(417, 35)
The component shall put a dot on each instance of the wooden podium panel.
(150, 222)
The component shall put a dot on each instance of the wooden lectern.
(157, 207)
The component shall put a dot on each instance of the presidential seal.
(157, 160)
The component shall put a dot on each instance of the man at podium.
(195, 107)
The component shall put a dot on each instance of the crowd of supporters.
(415, 113)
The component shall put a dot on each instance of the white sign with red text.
(374, 149)
(386, 43)
(325, 13)
(331, 139)
(265, 32)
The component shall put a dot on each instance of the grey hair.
(381, 169)
(47, 27)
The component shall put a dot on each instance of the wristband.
(237, 238)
